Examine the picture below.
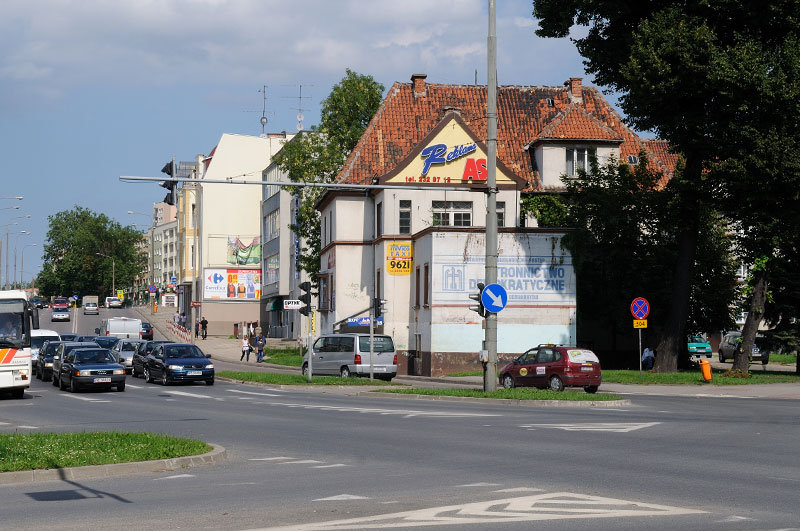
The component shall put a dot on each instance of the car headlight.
(48, 364)
(119, 371)
(175, 367)
(210, 366)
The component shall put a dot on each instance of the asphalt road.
(328, 460)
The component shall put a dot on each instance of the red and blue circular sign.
(640, 308)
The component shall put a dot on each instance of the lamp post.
(7, 247)
(16, 240)
(18, 198)
(113, 274)
(22, 262)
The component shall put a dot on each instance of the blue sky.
(93, 90)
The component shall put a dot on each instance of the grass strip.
(789, 359)
(29, 451)
(508, 394)
(694, 377)
(296, 379)
(287, 357)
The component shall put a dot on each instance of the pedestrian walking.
(245, 348)
(260, 348)
(176, 318)
(196, 328)
(204, 326)
(183, 319)
(250, 330)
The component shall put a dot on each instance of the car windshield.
(145, 324)
(106, 342)
(379, 343)
(51, 348)
(696, 339)
(128, 345)
(94, 356)
(38, 341)
(60, 301)
(182, 351)
(150, 346)
(11, 330)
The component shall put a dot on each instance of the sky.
(96, 89)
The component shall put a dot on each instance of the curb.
(217, 455)
(509, 401)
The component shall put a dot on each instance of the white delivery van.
(123, 327)
(38, 337)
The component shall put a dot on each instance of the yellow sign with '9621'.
(640, 323)
(399, 257)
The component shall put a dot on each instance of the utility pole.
(490, 375)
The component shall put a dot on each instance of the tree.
(73, 261)
(680, 70)
(317, 156)
(624, 246)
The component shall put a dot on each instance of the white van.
(38, 337)
(123, 327)
(348, 355)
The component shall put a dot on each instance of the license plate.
(586, 369)
(194, 373)
(379, 369)
(102, 380)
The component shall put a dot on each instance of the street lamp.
(113, 274)
(22, 262)
(18, 198)
(16, 240)
(7, 247)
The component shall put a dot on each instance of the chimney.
(575, 92)
(418, 84)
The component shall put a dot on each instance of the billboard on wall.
(399, 257)
(241, 253)
(232, 284)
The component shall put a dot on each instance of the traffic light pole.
(371, 338)
(309, 347)
(490, 374)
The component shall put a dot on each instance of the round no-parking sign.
(640, 308)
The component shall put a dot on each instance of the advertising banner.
(399, 258)
(232, 284)
(241, 253)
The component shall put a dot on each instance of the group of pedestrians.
(253, 342)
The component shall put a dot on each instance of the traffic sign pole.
(640, 309)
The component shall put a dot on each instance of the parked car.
(178, 362)
(140, 356)
(147, 330)
(123, 352)
(90, 308)
(348, 355)
(698, 348)
(63, 349)
(43, 365)
(732, 342)
(90, 368)
(554, 367)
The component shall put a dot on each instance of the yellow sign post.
(640, 323)
(399, 258)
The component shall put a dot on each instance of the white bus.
(17, 319)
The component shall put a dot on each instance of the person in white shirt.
(245, 348)
(648, 359)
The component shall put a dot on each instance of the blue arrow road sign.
(494, 298)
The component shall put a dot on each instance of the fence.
(180, 332)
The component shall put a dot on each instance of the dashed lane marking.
(270, 458)
(520, 489)
(178, 476)
(251, 393)
(193, 395)
(616, 427)
(85, 398)
(28, 427)
(134, 386)
(538, 507)
(480, 485)
(337, 465)
(300, 462)
(406, 413)
(342, 497)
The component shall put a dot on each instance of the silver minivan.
(348, 355)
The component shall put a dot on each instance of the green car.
(698, 348)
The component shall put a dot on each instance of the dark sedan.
(147, 330)
(43, 365)
(91, 368)
(140, 356)
(68, 337)
(106, 341)
(178, 362)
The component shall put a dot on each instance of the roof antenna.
(476, 76)
(299, 107)
(264, 112)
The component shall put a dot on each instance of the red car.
(60, 303)
(554, 367)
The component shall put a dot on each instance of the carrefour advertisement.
(232, 284)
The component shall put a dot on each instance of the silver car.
(123, 352)
(59, 315)
(732, 342)
(348, 355)
(90, 308)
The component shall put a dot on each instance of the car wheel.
(209, 382)
(121, 387)
(55, 382)
(305, 369)
(721, 358)
(345, 372)
(508, 381)
(147, 376)
(73, 386)
(164, 380)
(61, 384)
(556, 384)
(591, 389)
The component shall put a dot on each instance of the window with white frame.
(272, 227)
(579, 159)
(271, 273)
(452, 213)
(404, 217)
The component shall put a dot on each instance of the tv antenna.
(264, 112)
(299, 107)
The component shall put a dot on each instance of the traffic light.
(477, 297)
(305, 297)
(377, 304)
(171, 184)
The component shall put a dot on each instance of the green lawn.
(790, 359)
(694, 377)
(508, 394)
(288, 357)
(59, 450)
(296, 379)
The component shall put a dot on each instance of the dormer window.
(578, 159)
(633, 159)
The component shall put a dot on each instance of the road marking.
(176, 477)
(134, 386)
(341, 497)
(250, 393)
(193, 395)
(4, 423)
(269, 458)
(616, 427)
(86, 398)
(520, 489)
(406, 413)
(337, 465)
(538, 507)
(480, 485)
(28, 427)
(300, 462)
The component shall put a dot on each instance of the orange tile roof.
(525, 114)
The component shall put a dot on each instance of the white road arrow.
(496, 300)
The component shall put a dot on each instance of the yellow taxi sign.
(640, 323)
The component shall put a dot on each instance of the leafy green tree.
(74, 261)
(317, 156)
(681, 69)
(624, 245)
